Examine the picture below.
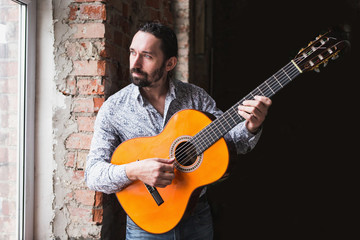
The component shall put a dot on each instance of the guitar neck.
(228, 120)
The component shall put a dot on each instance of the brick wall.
(94, 55)
(8, 117)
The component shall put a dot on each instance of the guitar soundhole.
(185, 154)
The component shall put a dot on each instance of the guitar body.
(207, 168)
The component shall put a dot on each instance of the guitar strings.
(204, 134)
(185, 151)
(267, 92)
(272, 87)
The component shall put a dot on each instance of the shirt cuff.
(119, 176)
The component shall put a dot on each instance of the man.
(143, 109)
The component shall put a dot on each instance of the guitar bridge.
(155, 194)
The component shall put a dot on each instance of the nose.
(135, 61)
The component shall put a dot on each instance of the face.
(147, 61)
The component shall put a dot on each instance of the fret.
(229, 114)
(286, 74)
(252, 95)
(261, 91)
(269, 87)
(278, 81)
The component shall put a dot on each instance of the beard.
(147, 79)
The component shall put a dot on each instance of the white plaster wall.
(44, 159)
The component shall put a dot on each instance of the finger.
(265, 100)
(166, 167)
(163, 182)
(259, 108)
(166, 161)
(245, 115)
(250, 110)
(251, 106)
(167, 176)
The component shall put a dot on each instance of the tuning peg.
(326, 63)
(317, 70)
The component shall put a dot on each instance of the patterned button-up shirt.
(126, 115)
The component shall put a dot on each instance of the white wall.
(44, 159)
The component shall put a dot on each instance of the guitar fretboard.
(228, 120)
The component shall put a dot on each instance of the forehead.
(146, 42)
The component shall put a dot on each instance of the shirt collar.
(172, 93)
(172, 89)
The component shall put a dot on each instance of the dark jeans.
(196, 226)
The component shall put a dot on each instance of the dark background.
(301, 180)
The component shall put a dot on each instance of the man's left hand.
(254, 111)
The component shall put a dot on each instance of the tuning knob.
(317, 70)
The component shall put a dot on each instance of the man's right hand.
(156, 172)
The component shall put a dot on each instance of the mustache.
(137, 70)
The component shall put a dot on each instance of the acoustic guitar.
(201, 154)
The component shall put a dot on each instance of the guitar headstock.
(320, 51)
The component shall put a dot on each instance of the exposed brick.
(90, 86)
(81, 160)
(73, 11)
(101, 68)
(89, 68)
(86, 123)
(85, 50)
(70, 159)
(98, 199)
(83, 105)
(85, 197)
(78, 141)
(93, 12)
(98, 103)
(70, 86)
(77, 179)
(125, 10)
(97, 215)
(79, 214)
(153, 3)
(87, 12)
(89, 30)
(118, 38)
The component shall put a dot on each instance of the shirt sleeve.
(100, 174)
(242, 138)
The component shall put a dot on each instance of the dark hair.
(169, 44)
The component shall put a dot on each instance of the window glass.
(10, 97)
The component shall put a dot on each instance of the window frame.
(26, 124)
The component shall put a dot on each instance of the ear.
(171, 63)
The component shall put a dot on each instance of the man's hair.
(169, 44)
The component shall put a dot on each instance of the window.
(17, 32)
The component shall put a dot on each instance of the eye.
(132, 52)
(147, 56)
